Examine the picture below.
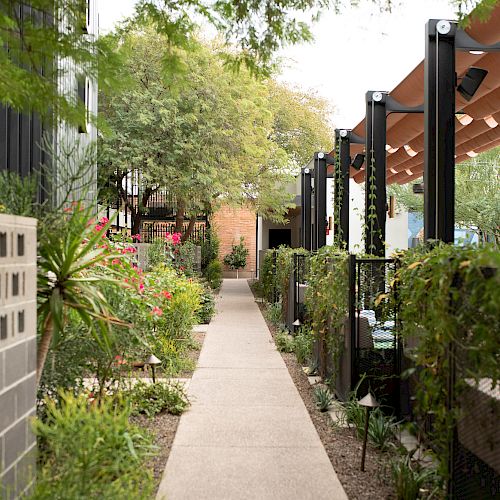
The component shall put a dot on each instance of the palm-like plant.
(71, 265)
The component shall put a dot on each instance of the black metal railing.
(153, 230)
(373, 340)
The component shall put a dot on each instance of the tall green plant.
(327, 301)
(448, 298)
(69, 270)
(237, 258)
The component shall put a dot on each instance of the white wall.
(396, 233)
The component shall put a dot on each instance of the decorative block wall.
(230, 224)
(17, 353)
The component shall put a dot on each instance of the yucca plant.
(70, 265)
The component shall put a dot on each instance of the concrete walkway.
(248, 434)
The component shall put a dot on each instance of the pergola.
(441, 114)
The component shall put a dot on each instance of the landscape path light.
(153, 361)
(369, 402)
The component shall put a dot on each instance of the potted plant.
(237, 259)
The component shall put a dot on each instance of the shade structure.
(477, 121)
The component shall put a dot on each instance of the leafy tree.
(237, 258)
(208, 135)
(477, 195)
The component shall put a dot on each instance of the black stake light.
(153, 361)
(369, 402)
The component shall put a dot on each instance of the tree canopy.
(207, 136)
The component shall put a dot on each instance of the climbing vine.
(327, 301)
(448, 298)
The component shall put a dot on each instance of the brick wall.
(229, 224)
(17, 353)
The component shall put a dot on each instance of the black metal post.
(352, 318)
(345, 163)
(320, 221)
(306, 208)
(439, 130)
(375, 176)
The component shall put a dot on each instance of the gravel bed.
(341, 444)
(164, 426)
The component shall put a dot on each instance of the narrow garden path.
(248, 434)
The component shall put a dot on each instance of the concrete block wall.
(17, 354)
(231, 223)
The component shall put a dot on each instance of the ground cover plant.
(90, 450)
(151, 399)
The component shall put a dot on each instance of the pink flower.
(104, 220)
(136, 237)
(166, 294)
(176, 238)
(156, 311)
(141, 287)
(115, 262)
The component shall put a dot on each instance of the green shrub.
(89, 450)
(381, 429)
(411, 480)
(213, 274)
(157, 253)
(273, 314)
(267, 278)
(284, 341)
(209, 249)
(184, 258)
(207, 306)
(237, 258)
(151, 399)
(303, 344)
(323, 398)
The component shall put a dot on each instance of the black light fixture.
(358, 161)
(418, 188)
(471, 82)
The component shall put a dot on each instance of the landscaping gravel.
(341, 445)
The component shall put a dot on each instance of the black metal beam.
(375, 173)
(341, 187)
(306, 195)
(439, 131)
(320, 222)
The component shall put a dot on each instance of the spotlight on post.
(418, 188)
(358, 161)
(471, 82)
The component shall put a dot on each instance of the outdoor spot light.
(471, 82)
(464, 118)
(358, 161)
(409, 151)
(393, 171)
(153, 361)
(408, 172)
(390, 149)
(306, 171)
(343, 133)
(471, 154)
(369, 402)
(297, 322)
(476, 52)
(418, 188)
(490, 121)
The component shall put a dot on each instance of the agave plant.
(71, 258)
(323, 397)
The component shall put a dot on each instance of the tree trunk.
(136, 222)
(43, 346)
(190, 228)
(179, 215)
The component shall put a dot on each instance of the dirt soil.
(341, 444)
(164, 426)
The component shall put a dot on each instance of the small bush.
(237, 258)
(207, 307)
(323, 398)
(90, 450)
(381, 430)
(303, 344)
(284, 341)
(411, 479)
(151, 399)
(157, 253)
(213, 274)
(273, 314)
